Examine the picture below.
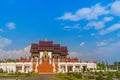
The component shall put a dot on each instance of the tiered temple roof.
(49, 46)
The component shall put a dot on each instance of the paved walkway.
(42, 77)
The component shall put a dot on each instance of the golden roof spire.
(46, 39)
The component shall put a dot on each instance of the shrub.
(100, 77)
(1, 70)
(76, 75)
(117, 74)
(110, 76)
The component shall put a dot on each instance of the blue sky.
(90, 29)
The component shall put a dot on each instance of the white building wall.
(11, 67)
(41, 54)
(62, 66)
(50, 54)
(74, 69)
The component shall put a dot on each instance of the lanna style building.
(47, 57)
(48, 50)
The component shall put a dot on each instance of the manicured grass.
(65, 76)
(89, 75)
(20, 75)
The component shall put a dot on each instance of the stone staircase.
(34, 67)
(45, 68)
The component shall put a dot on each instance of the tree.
(101, 65)
(1, 70)
(10, 60)
(116, 64)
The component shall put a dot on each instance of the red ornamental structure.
(57, 50)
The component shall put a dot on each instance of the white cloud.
(85, 13)
(110, 53)
(115, 7)
(101, 43)
(95, 24)
(12, 53)
(98, 24)
(106, 19)
(69, 16)
(11, 25)
(83, 56)
(4, 42)
(1, 30)
(110, 29)
(82, 43)
(107, 53)
(109, 40)
(15, 54)
(76, 26)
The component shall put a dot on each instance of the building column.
(54, 68)
(73, 68)
(31, 59)
(53, 65)
(36, 70)
(66, 68)
(59, 68)
(40, 60)
(30, 68)
(23, 68)
(6, 70)
(50, 61)
(14, 69)
(80, 68)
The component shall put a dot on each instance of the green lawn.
(81, 76)
(66, 77)
(2, 75)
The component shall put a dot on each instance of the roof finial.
(46, 39)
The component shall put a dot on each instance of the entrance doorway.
(84, 68)
(70, 68)
(45, 55)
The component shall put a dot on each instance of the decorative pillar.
(73, 69)
(23, 67)
(53, 60)
(14, 68)
(59, 68)
(50, 61)
(6, 69)
(86, 67)
(80, 68)
(30, 68)
(40, 60)
(31, 59)
(66, 68)
(54, 65)
(36, 70)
